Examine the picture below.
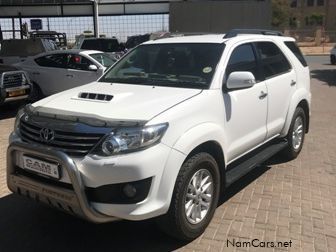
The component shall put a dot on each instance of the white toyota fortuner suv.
(164, 130)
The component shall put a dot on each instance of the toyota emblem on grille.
(47, 135)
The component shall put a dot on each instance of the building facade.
(219, 16)
(305, 14)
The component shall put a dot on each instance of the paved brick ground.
(281, 201)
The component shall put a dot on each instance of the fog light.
(129, 190)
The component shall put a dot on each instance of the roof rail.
(180, 34)
(234, 32)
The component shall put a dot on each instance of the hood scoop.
(95, 96)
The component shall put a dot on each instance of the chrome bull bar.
(72, 201)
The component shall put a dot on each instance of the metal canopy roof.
(59, 8)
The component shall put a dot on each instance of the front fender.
(192, 138)
(198, 135)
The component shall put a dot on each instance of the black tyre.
(36, 93)
(333, 59)
(194, 199)
(296, 134)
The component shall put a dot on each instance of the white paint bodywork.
(52, 80)
(238, 121)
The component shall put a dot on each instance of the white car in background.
(333, 55)
(60, 70)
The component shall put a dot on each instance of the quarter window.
(243, 59)
(273, 61)
(295, 49)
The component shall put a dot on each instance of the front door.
(245, 109)
(78, 72)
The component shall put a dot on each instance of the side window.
(243, 59)
(52, 60)
(78, 62)
(273, 60)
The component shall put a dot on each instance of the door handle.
(262, 95)
(69, 75)
(293, 82)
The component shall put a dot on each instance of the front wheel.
(194, 199)
(36, 94)
(296, 134)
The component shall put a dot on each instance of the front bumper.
(73, 201)
(160, 163)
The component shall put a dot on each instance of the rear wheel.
(296, 134)
(194, 199)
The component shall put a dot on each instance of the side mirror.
(93, 68)
(240, 80)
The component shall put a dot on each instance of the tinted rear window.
(295, 49)
(105, 45)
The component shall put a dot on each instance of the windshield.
(103, 59)
(183, 65)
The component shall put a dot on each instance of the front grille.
(12, 80)
(72, 143)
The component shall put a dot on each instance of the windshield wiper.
(135, 80)
(188, 83)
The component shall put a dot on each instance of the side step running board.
(242, 166)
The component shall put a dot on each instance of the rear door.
(50, 73)
(281, 83)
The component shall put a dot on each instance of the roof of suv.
(214, 38)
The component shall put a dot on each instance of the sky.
(118, 26)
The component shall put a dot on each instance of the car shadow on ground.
(325, 75)
(29, 226)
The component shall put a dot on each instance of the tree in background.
(280, 13)
(315, 19)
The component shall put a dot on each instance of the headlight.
(130, 139)
(20, 113)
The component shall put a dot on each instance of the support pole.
(95, 18)
(20, 20)
(13, 27)
(48, 24)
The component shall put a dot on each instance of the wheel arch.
(206, 137)
(213, 148)
(300, 99)
(304, 105)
